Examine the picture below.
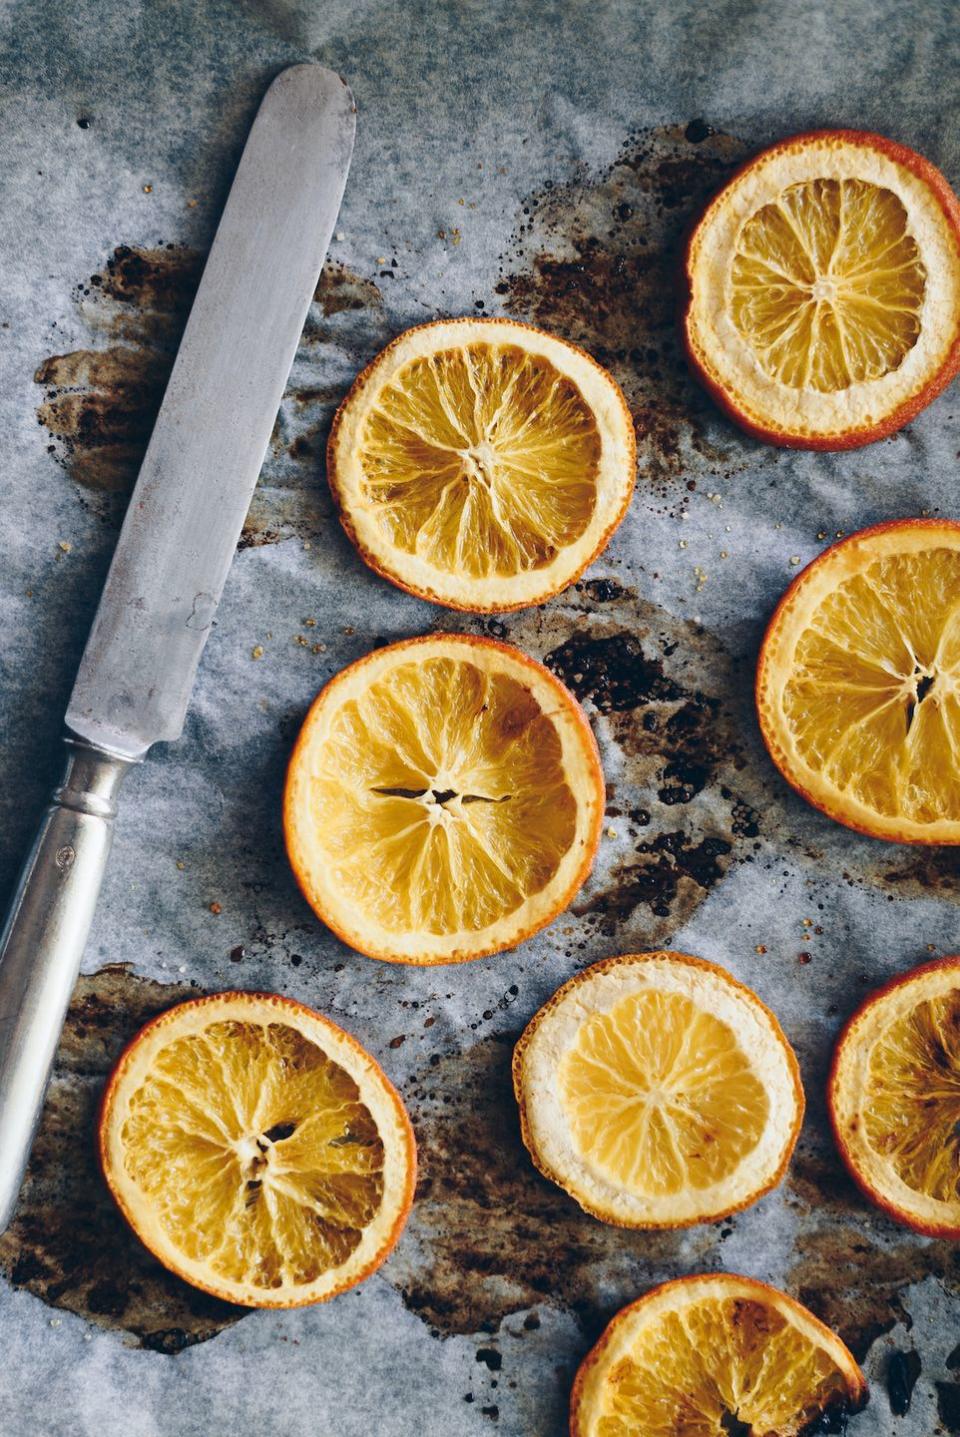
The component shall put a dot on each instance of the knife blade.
(212, 431)
(172, 557)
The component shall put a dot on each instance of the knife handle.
(42, 944)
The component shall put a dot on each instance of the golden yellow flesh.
(257, 1153)
(911, 1106)
(704, 1368)
(439, 798)
(481, 460)
(828, 284)
(660, 1096)
(873, 700)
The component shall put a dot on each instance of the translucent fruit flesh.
(718, 1366)
(911, 1107)
(256, 1151)
(440, 798)
(481, 460)
(828, 284)
(873, 699)
(660, 1096)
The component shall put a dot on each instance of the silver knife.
(172, 558)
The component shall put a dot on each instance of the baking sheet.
(539, 160)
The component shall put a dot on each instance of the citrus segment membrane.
(660, 1096)
(482, 460)
(482, 463)
(658, 1091)
(828, 284)
(440, 798)
(824, 290)
(257, 1150)
(443, 800)
(894, 1097)
(859, 682)
(911, 1107)
(711, 1356)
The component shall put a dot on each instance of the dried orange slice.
(443, 801)
(481, 463)
(257, 1150)
(894, 1097)
(824, 290)
(658, 1091)
(711, 1355)
(858, 685)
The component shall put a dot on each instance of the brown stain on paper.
(665, 695)
(101, 402)
(852, 1264)
(68, 1244)
(489, 1236)
(596, 261)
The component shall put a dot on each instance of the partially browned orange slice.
(713, 1355)
(823, 285)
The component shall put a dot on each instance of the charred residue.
(596, 261)
(666, 699)
(903, 1369)
(68, 1244)
(488, 1235)
(100, 401)
(852, 1264)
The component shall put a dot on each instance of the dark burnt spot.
(101, 402)
(852, 1265)
(489, 1236)
(948, 1405)
(603, 591)
(596, 261)
(490, 1357)
(697, 131)
(690, 738)
(903, 1369)
(665, 695)
(301, 448)
(612, 671)
(933, 873)
(68, 1244)
(666, 866)
(340, 289)
(833, 1420)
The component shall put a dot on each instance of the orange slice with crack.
(481, 463)
(858, 684)
(443, 801)
(257, 1150)
(894, 1097)
(658, 1091)
(715, 1355)
(823, 286)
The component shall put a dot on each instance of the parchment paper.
(537, 159)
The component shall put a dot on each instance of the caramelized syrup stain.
(852, 1264)
(596, 261)
(100, 402)
(489, 1236)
